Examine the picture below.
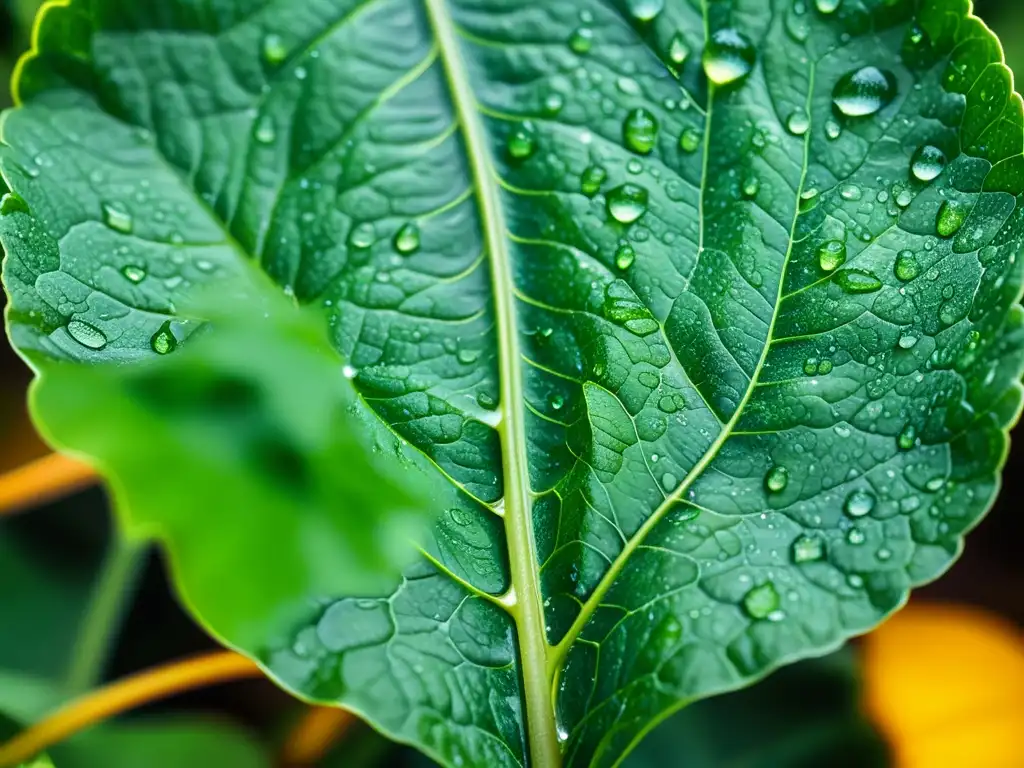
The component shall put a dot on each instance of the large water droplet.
(522, 141)
(808, 549)
(857, 281)
(581, 40)
(133, 273)
(729, 56)
(927, 163)
(622, 307)
(827, 6)
(627, 203)
(640, 131)
(951, 217)
(117, 218)
(87, 335)
(164, 341)
(831, 255)
(645, 10)
(689, 140)
(274, 50)
(798, 122)
(777, 479)
(407, 239)
(592, 179)
(625, 255)
(762, 601)
(864, 91)
(906, 267)
(859, 503)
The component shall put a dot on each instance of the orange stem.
(43, 480)
(120, 696)
(314, 735)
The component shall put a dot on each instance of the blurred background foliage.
(940, 686)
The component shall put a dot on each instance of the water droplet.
(856, 536)
(761, 601)
(582, 40)
(678, 50)
(751, 186)
(833, 130)
(824, 367)
(625, 255)
(907, 439)
(640, 131)
(467, 356)
(133, 273)
(884, 554)
(927, 163)
(522, 142)
(592, 179)
(349, 372)
(553, 103)
(274, 50)
(859, 503)
(486, 400)
(556, 402)
(87, 335)
(827, 6)
(808, 549)
(857, 281)
(407, 239)
(908, 340)
(728, 57)
(363, 236)
(798, 123)
(906, 267)
(265, 132)
(690, 140)
(669, 481)
(164, 341)
(777, 479)
(831, 255)
(627, 203)
(864, 91)
(952, 215)
(624, 308)
(117, 218)
(645, 10)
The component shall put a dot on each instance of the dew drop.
(581, 40)
(951, 217)
(777, 479)
(864, 91)
(87, 335)
(884, 554)
(927, 163)
(265, 132)
(645, 10)
(751, 186)
(857, 281)
(690, 140)
(907, 439)
(349, 372)
(831, 255)
(761, 601)
(908, 341)
(808, 549)
(640, 131)
(859, 503)
(678, 50)
(556, 402)
(827, 6)
(728, 57)
(363, 236)
(274, 50)
(407, 239)
(627, 203)
(798, 123)
(669, 481)
(117, 218)
(833, 130)
(133, 273)
(164, 341)
(855, 536)
(592, 179)
(522, 141)
(906, 267)
(625, 255)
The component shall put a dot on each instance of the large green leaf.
(717, 371)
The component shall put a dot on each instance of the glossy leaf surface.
(706, 310)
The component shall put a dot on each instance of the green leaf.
(717, 371)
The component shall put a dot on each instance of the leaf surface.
(706, 311)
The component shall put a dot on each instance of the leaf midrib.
(524, 602)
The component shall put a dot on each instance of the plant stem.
(134, 691)
(102, 621)
(43, 480)
(317, 731)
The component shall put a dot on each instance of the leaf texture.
(706, 310)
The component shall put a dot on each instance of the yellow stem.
(118, 697)
(314, 735)
(43, 480)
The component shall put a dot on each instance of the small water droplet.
(728, 57)
(884, 554)
(907, 439)
(363, 235)
(640, 131)
(274, 50)
(798, 122)
(761, 601)
(906, 267)
(951, 217)
(908, 340)
(164, 341)
(833, 130)
(467, 356)
(856, 536)
(777, 479)
(553, 103)
(751, 186)
(117, 218)
(927, 163)
(87, 335)
(133, 273)
(669, 481)
(831, 255)
(808, 549)
(627, 203)
(645, 10)
(859, 503)
(522, 141)
(407, 239)
(581, 40)
(864, 91)
(678, 50)
(625, 255)
(827, 6)
(592, 179)
(857, 281)
(556, 402)
(690, 140)
(265, 132)
(349, 372)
